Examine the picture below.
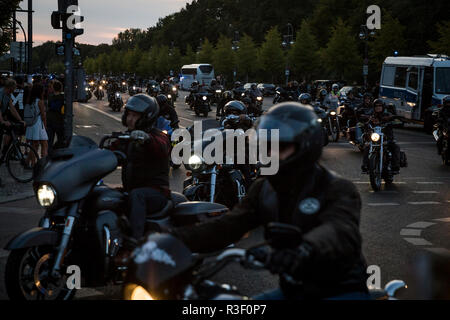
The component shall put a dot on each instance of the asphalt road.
(398, 224)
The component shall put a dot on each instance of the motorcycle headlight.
(117, 95)
(204, 98)
(333, 113)
(195, 162)
(101, 88)
(123, 83)
(375, 137)
(243, 95)
(87, 89)
(174, 89)
(259, 98)
(46, 195)
(135, 292)
(169, 96)
(319, 120)
(218, 91)
(134, 88)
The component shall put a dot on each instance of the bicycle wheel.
(18, 162)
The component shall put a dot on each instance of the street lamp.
(288, 41)
(25, 43)
(365, 36)
(235, 47)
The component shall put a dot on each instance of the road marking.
(383, 191)
(424, 203)
(101, 111)
(411, 232)
(429, 182)
(185, 119)
(439, 251)
(360, 182)
(425, 192)
(383, 204)
(418, 241)
(421, 225)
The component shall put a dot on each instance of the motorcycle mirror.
(283, 236)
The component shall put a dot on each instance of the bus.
(203, 73)
(415, 86)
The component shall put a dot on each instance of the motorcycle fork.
(381, 153)
(67, 233)
(213, 184)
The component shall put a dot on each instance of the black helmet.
(195, 83)
(148, 106)
(295, 83)
(235, 107)
(297, 124)
(323, 93)
(306, 97)
(377, 102)
(367, 95)
(227, 94)
(253, 86)
(237, 84)
(213, 82)
(162, 100)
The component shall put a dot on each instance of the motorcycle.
(217, 95)
(282, 95)
(84, 223)
(177, 276)
(380, 158)
(163, 124)
(333, 125)
(99, 94)
(441, 133)
(116, 102)
(224, 184)
(202, 104)
(323, 119)
(133, 90)
(88, 94)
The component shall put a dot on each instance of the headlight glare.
(195, 162)
(135, 292)
(375, 137)
(46, 195)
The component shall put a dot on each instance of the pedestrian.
(37, 134)
(55, 116)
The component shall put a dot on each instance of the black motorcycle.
(202, 103)
(282, 95)
(323, 119)
(224, 184)
(84, 223)
(99, 94)
(164, 268)
(442, 133)
(116, 102)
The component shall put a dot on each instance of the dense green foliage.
(326, 39)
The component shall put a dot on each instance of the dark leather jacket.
(336, 265)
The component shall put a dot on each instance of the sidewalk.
(11, 190)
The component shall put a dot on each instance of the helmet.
(235, 107)
(367, 95)
(144, 104)
(377, 102)
(227, 94)
(195, 83)
(213, 82)
(295, 84)
(237, 84)
(253, 86)
(305, 97)
(297, 124)
(335, 87)
(162, 100)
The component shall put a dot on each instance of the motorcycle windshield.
(158, 262)
(73, 175)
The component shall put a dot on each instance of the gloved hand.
(139, 135)
(290, 261)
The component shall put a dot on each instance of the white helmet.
(335, 86)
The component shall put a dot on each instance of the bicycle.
(21, 157)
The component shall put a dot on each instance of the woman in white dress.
(37, 134)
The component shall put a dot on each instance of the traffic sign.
(365, 70)
(288, 72)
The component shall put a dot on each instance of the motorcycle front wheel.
(27, 276)
(375, 172)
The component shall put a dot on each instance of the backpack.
(31, 113)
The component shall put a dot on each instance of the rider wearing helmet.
(236, 108)
(226, 97)
(305, 98)
(237, 91)
(167, 111)
(332, 100)
(145, 174)
(328, 261)
(382, 116)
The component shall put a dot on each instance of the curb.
(17, 197)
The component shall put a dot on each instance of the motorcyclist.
(227, 97)
(238, 90)
(332, 100)
(442, 118)
(363, 113)
(382, 116)
(322, 96)
(167, 111)
(305, 99)
(329, 261)
(145, 175)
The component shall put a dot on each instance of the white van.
(415, 86)
(203, 73)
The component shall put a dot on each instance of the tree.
(223, 59)
(442, 45)
(206, 53)
(303, 56)
(388, 39)
(271, 58)
(162, 61)
(246, 57)
(175, 60)
(341, 57)
(8, 7)
(189, 57)
(56, 67)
